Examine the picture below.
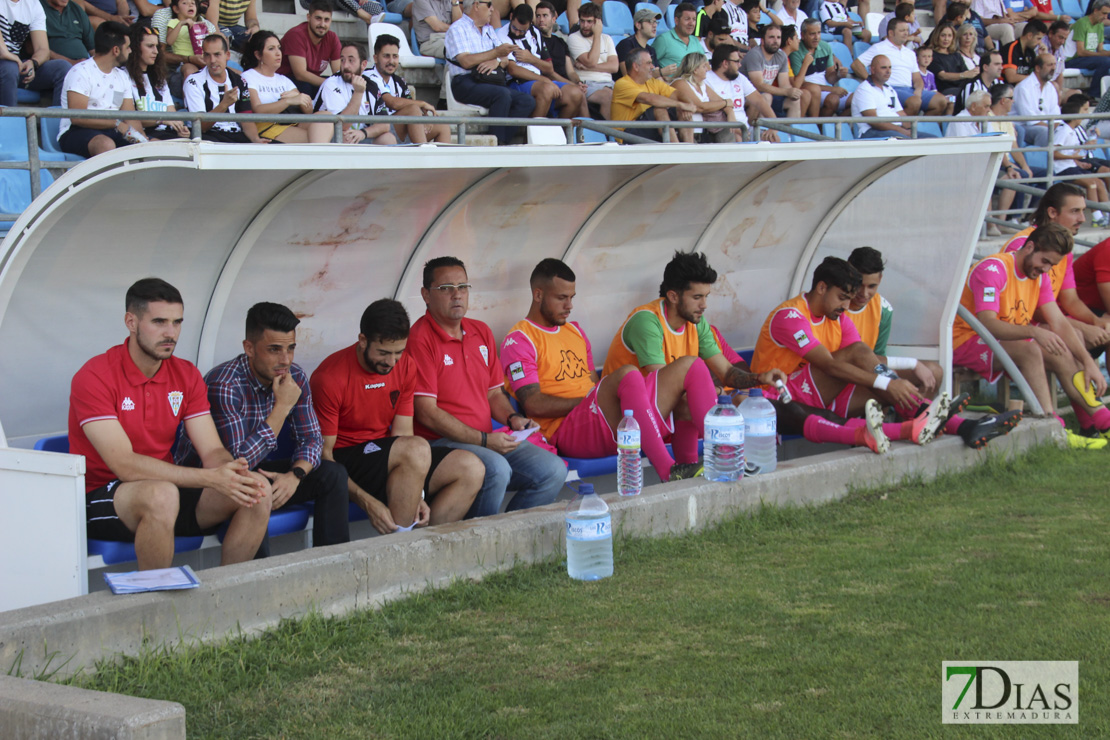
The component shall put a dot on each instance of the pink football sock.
(701, 393)
(633, 395)
(1101, 418)
(684, 441)
(817, 429)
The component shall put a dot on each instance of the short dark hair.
(549, 269)
(867, 260)
(903, 10)
(1058, 26)
(1051, 237)
(319, 5)
(721, 55)
(255, 44)
(999, 91)
(1072, 105)
(149, 290)
(682, 8)
(750, 5)
(1054, 197)
(272, 316)
(634, 57)
(523, 13)
(685, 268)
(1035, 26)
(837, 273)
(109, 35)
(213, 37)
(432, 265)
(990, 54)
(956, 10)
(589, 10)
(384, 320)
(893, 23)
(789, 32)
(385, 40)
(360, 48)
(547, 4)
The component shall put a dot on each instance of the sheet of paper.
(523, 434)
(162, 579)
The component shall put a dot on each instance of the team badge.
(988, 295)
(485, 353)
(516, 371)
(370, 447)
(176, 397)
(447, 361)
(801, 338)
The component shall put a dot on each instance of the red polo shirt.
(459, 374)
(297, 42)
(111, 386)
(356, 406)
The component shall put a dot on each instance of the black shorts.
(225, 137)
(103, 524)
(76, 139)
(368, 466)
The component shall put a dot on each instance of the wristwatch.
(299, 473)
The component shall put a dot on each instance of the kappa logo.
(571, 366)
(806, 389)
(128, 404)
(793, 314)
(447, 361)
(175, 397)
(801, 338)
(372, 386)
(992, 268)
(510, 342)
(983, 358)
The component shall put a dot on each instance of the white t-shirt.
(903, 62)
(882, 99)
(957, 127)
(1030, 99)
(336, 92)
(202, 94)
(579, 45)
(18, 19)
(788, 21)
(269, 89)
(151, 100)
(104, 91)
(1066, 136)
(736, 90)
(737, 21)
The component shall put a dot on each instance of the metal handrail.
(1007, 363)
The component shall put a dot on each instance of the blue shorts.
(905, 93)
(76, 139)
(526, 87)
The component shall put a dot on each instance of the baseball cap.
(646, 14)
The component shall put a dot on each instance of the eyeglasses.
(733, 61)
(448, 288)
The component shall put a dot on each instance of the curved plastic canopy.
(327, 230)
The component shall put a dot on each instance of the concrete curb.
(70, 636)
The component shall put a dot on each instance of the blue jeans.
(502, 101)
(905, 93)
(1099, 66)
(50, 75)
(535, 474)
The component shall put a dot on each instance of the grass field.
(817, 622)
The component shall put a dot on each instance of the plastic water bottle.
(724, 442)
(630, 470)
(760, 432)
(589, 536)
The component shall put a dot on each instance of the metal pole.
(1000, 353)
(33, 156)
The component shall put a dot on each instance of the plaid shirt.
(240, 404)
(463, 37)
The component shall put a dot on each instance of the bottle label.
(589, 529)
(725, 436)
(629, 438)
(761, 427)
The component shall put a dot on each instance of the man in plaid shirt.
(253, 397)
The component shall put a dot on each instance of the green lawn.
(817, 622)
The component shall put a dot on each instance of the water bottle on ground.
(630, 470)
(760, 432)
(589, 536)
(724, 442)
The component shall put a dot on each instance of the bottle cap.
(725, 399)
(585, 489)
(628, 412)
(755, 393)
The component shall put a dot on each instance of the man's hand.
(236, 481)
(506, 49)
(769, 135)
(27, 70)
(487, 66)
(686, 107)
(772, 375)
(903, 393)
(925, 375)
(284, 485)
(380, 516)
(179, 128)
(794, 93)
(669, 70)
(501, 442)
(358, 83)
(1049, 341)
(423, 514)
(230, 96)
(353, 136)
(1096, 334)
(286, 390)
(519, 422)
(1091, 374)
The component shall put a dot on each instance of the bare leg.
(149, 509)
(455, 483)
(409, 460)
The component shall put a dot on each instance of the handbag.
(497, 77)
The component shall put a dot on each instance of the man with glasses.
(646, 23)
(459, 396)
(1036, 96)
(724, 78)
(476, 57)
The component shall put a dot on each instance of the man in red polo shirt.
(458, 390)
(124, 410)
(363, 399)
(310, 51)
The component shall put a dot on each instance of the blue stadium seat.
(590, 136)
(616, 18)
(930, 127)
(813, 127)
(1057, 8)
(564, 24)
(842, 52)
(655, 9)
(827, 37)
(764, 19)
(27, 97)
(48, 138)
(15, 189)
(14, 144)
(1037, 159)
(858, 47)
(1074, 8)
(669, 15)
(849, 83)
(394, 18)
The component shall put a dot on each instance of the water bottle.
(630, 471)
(724, 442)
(589, 536)
(760, 432)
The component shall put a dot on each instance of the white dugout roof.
(328, 229)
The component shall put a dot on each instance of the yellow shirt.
(625, 107)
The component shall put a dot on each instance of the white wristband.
(881, 382)
(901, 363)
